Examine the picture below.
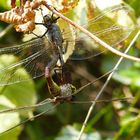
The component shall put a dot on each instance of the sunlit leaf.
(8, 120)
(13, 96)
(70, 133)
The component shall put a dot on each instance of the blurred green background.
(113, 120)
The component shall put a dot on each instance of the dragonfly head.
(67, 89)
(49, 19)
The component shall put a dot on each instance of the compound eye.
(47, 18)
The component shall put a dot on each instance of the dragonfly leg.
(43, 33)
(35, 35)
(54, 20)
(58, 74)
(52, 16)
(63, 75)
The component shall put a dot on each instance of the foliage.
(114, 120)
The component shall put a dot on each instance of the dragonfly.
(39, 56)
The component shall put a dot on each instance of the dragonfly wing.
(108, 26)
(68, 38)
(112, 30)
(34, 56)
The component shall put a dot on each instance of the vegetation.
(109, 120)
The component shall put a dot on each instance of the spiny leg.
(41, 24)
(58, 73)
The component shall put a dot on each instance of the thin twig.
(104, 86)
(105, 100)
(105, 45)
(30, 119)
(55, 99)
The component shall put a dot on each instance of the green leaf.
(12, 96)
(8, 120)
(127, 73)
(5, 4)
(70, 133)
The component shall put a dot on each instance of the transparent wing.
(33, 56)
(110, 30)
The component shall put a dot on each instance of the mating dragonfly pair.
(39, 56)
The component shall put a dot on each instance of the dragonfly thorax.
(49, 19)
(53, 30)
(55, 35)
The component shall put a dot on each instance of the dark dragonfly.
(39, 56)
